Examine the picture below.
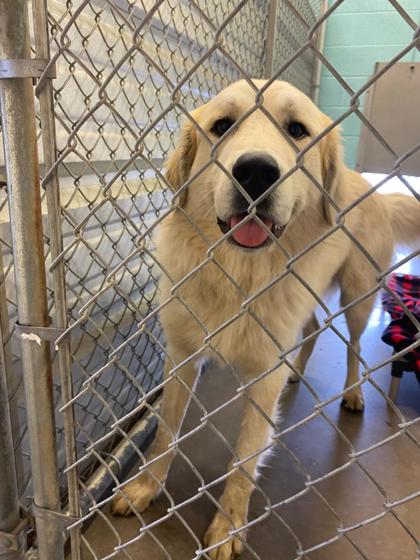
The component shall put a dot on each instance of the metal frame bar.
(12, 541)
(271, 38)
(122, 458)
(33, 68)
(20, 145)
(320, 47)
(52, 188)
(76, 168)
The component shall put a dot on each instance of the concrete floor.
(394, 466)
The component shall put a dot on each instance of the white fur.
(215, 293)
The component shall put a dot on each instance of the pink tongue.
(250, 234)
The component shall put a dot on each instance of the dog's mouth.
(251, 234)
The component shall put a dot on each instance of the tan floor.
(352, 493)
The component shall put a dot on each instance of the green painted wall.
(360, 33)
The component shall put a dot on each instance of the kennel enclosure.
(92, 93)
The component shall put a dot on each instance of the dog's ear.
(179, 163)
(331, 166)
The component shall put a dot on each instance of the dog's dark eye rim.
(221, 126)
(297, 130)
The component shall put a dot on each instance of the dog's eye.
(221, 126)
(297, 130)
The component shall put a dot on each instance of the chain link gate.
(113, 80)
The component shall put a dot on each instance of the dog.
(266, 217)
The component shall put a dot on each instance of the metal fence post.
(271, 38)
(318, 63)
(12, 542)
(44, 91)
(20, 145)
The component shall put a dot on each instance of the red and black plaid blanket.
(401, 332)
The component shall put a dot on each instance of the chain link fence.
(125, 74)
(140, 94)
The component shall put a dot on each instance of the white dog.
(250, 296)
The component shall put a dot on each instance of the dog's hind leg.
(137, 494)
(311, 326)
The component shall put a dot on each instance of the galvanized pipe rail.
(22, 171)
(44, 92)
(12, 539)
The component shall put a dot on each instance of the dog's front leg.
(179, 381)
(259, 411)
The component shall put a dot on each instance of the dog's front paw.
(135, 497)
(219, 532)
(353, 400)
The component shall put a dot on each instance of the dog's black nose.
(256, 173)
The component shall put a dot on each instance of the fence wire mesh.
(128, 72)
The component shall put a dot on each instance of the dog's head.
(240, 157)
